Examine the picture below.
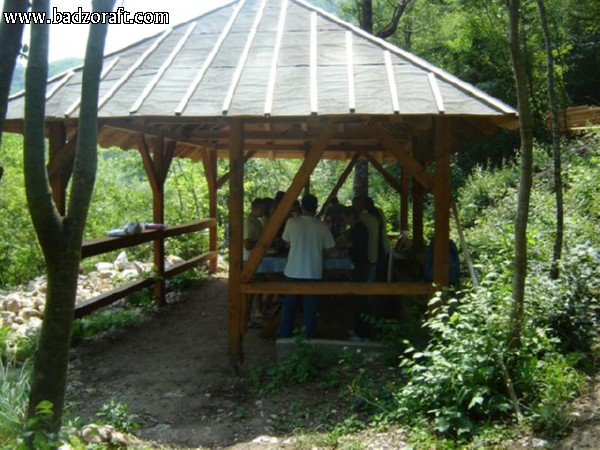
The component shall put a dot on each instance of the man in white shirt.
(308, 238)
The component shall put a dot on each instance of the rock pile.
(22, 309)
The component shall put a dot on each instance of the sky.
(69, 40)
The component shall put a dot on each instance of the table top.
(276, 264)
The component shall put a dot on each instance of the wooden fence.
(577, 118)
(107, 244)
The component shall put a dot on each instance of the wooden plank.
(350, 72)
(158, 216)
(404, 157)
(343, 177)
(243, 58)
(186, 265)
(221, 181)
(405, 185)
(285, 205)
(98, 246)
(108, 298)
(418, 192)
(275, 59)
(393, 182)
(236, 218)
(338, 288)
(314, 96)
(148, 164)
(442, 195)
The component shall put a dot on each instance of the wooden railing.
(577, 118)
(103, 245)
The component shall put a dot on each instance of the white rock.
(121, 262)
(104, 266)
(6, 317)
(265, 440)
(174, 260)
(107, 274)
(14, 305)
(28, 313)
(138, 267)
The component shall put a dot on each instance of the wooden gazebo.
(275, 79)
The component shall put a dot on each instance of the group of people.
(359, 229)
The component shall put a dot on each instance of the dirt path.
(174, 374)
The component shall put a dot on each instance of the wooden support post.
(157, 169)
(418, 193)
(405, 187)
(442, 196)
(60, 165)
(236, 220)
(209, 160)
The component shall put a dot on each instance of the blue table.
(276, 264)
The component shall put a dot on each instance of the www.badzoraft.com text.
(118, 17)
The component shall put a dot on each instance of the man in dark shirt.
(356, 240)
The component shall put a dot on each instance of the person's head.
(278, 196)
(268, 204)
(309, 204)
(257, 207)
(349, 215)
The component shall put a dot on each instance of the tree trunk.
(360, 184)
(11, 36)
(558, 185)
(60, 238)
(526, 134)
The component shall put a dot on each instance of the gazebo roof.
(266, 59)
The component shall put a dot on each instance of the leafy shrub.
(117, 414)
(570, 305)
(14, 390)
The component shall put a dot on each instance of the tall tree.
(11, 36)
(525, 178)
(60, 237)
(558, 184)
(364, 11)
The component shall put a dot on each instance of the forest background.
(468, 39)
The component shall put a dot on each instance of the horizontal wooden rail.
(338, 288)
(100, 301)
(182, 267)
(107, 244)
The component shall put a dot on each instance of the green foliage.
(300, 367)
(14, 346)
(14, 390)
(106, 320)
(117, 414)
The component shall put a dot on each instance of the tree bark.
(11, 36)
(524, 193)
(556, 156)
(360, 182)
(60, 237)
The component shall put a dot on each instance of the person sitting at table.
(372, 223)
(308, 238)
(356, 239)
(333, 217)
(383, 244)
(253, 228)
